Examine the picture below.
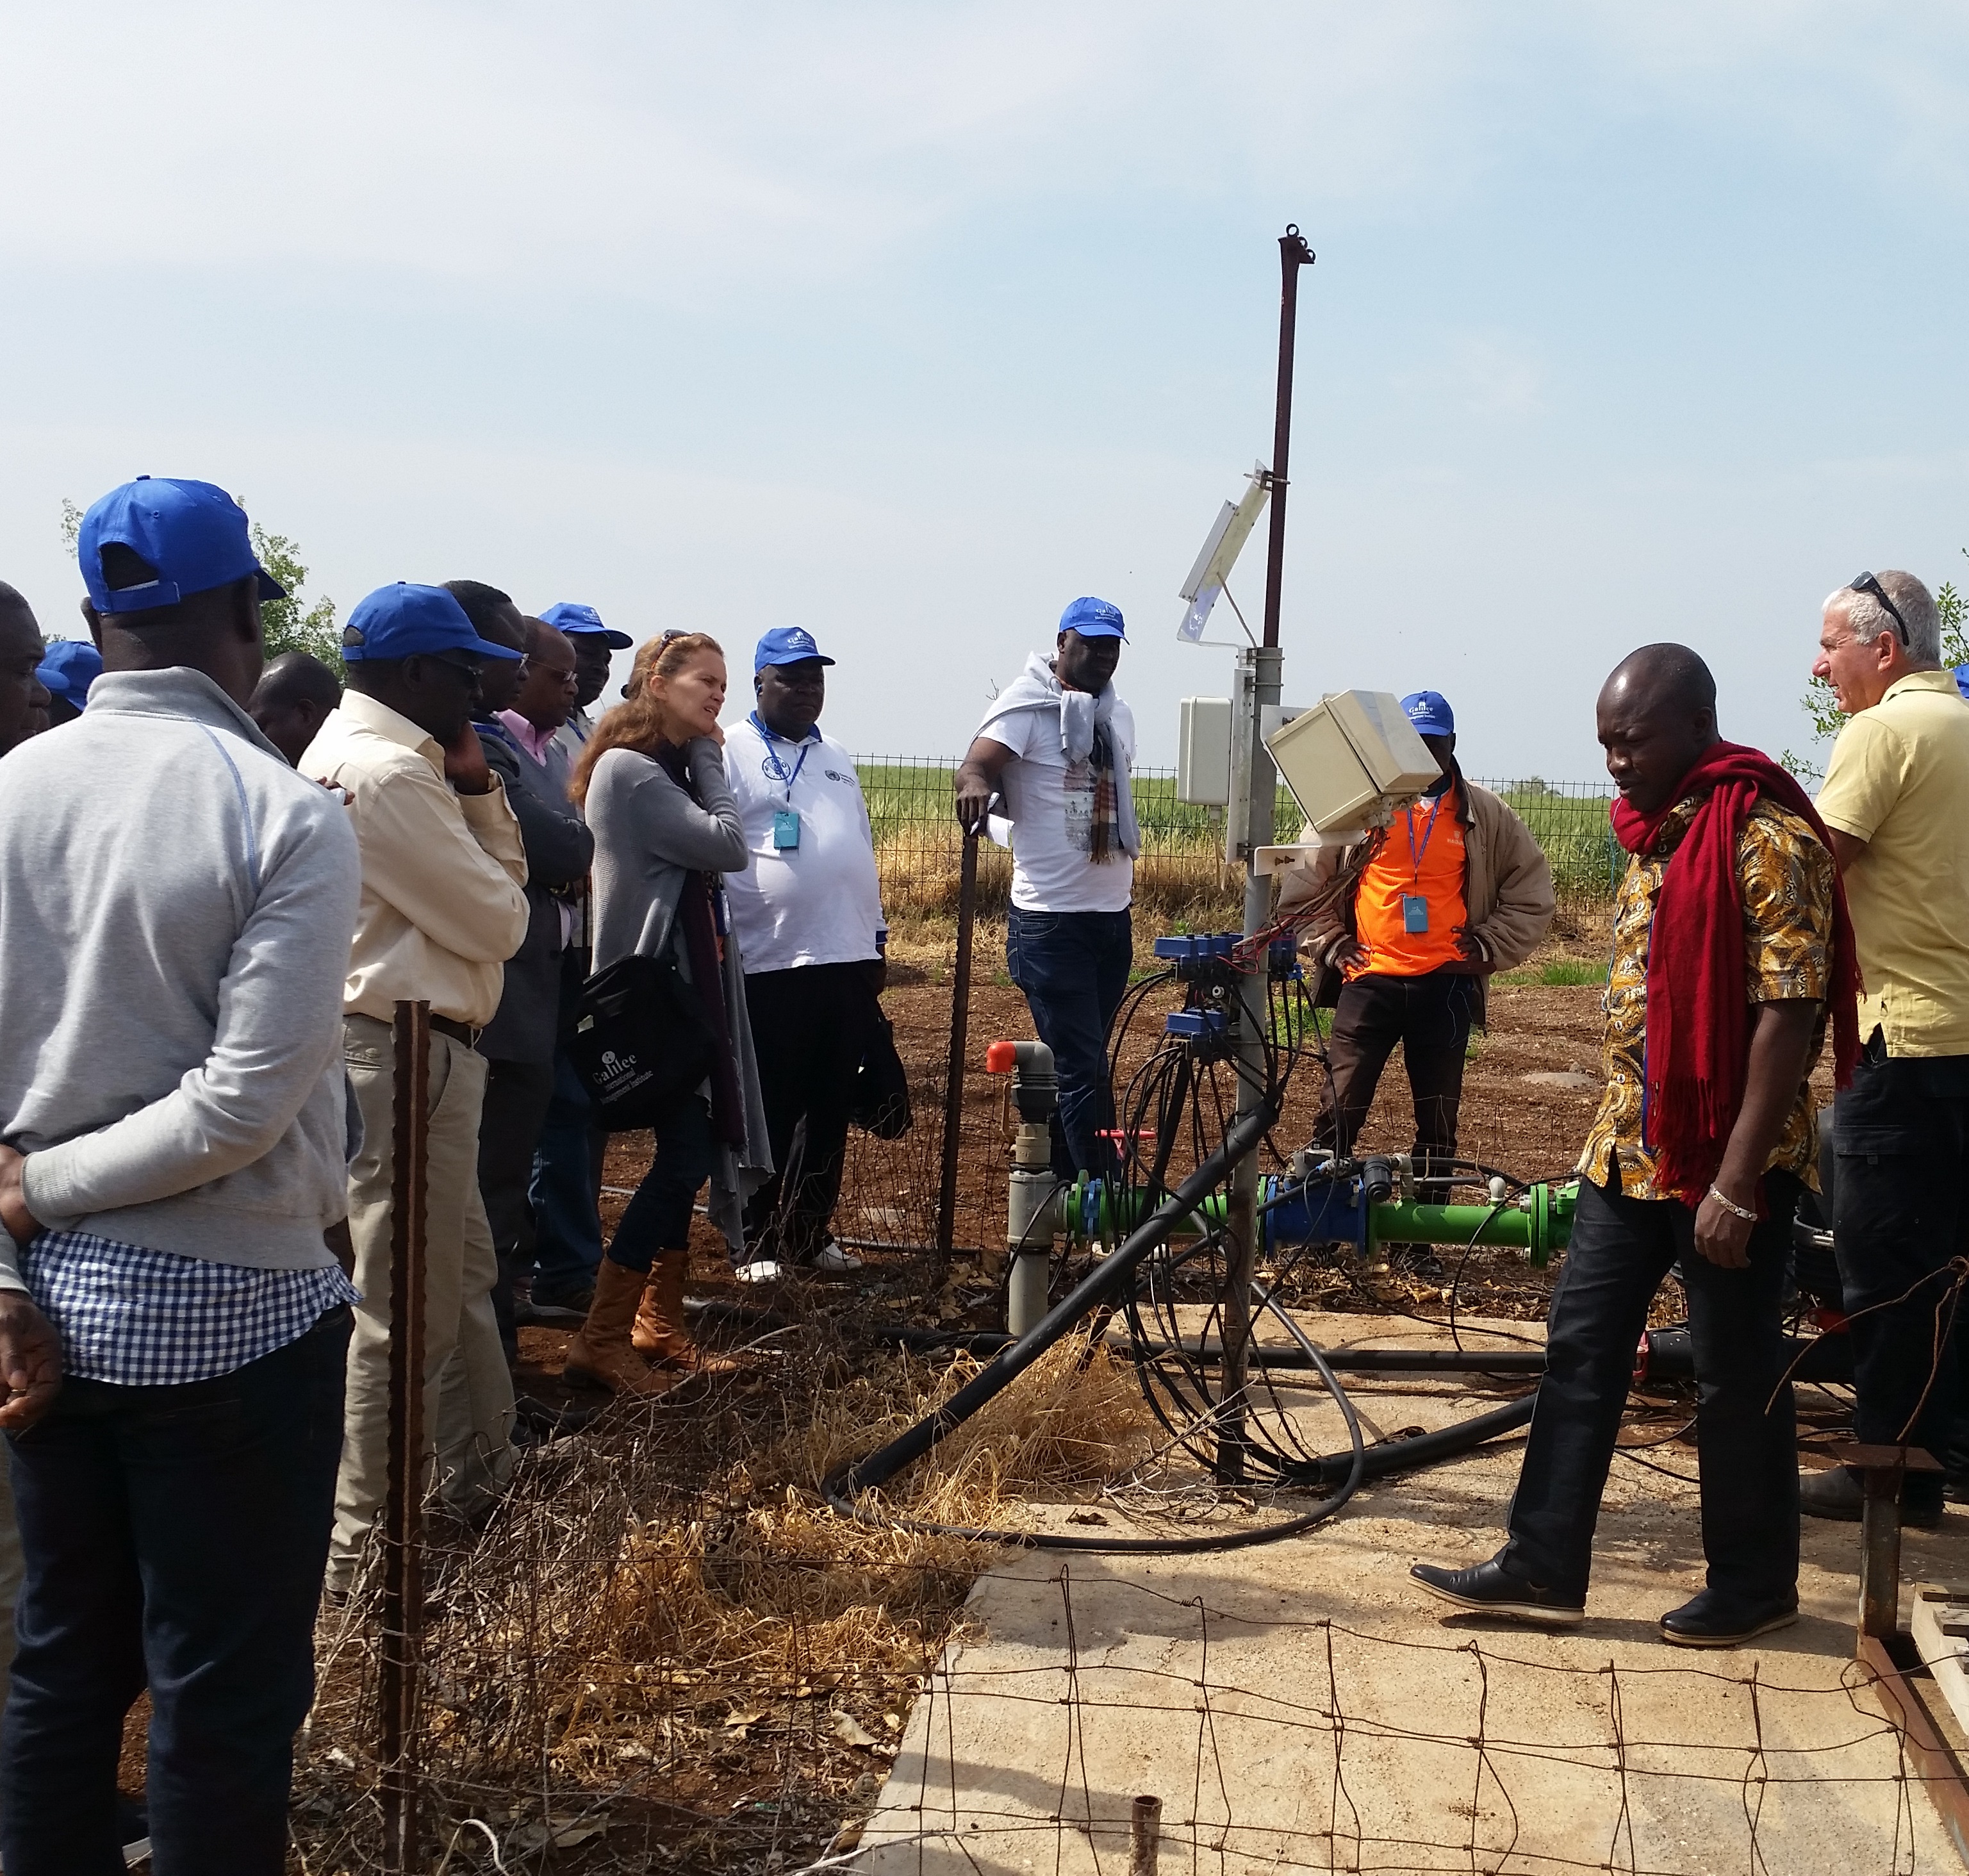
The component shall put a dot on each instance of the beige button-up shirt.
(443, 906)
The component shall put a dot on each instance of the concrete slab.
(1301, 1706)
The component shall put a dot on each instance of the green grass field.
(1181, 875)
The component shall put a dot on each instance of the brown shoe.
(660, 1332)
(602, 1353)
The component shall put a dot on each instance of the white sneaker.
(831, 1258)
(764, 1270)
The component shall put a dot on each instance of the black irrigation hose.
(1404, 1455)
(878, 1467)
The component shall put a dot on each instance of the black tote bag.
(640, 1042)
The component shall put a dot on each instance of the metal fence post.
(960, 1043)
(397, 1748)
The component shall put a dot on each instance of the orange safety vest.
(1421, 860)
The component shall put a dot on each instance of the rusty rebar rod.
(1882, 1471)
(960, 1043)
(398, 1744)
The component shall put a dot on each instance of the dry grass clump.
(1074, 1419)
(663, 1627)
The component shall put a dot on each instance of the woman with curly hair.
(651, 782)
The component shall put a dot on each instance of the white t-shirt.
(820, 902)
(1051, 807)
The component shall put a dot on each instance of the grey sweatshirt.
(176, 908)
(649, 834)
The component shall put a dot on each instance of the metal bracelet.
(1732, 1207)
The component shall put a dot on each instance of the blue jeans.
(1746, 1440)
(1073, 967)
(658, 1217)
(567, 1227)
(176, 1539)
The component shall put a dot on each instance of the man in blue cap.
(1057, 744)
(808, 911)
(70, 667)
(444, 905)
(175, 905)
(594, 647)
(566, 1187)
(1456, 889)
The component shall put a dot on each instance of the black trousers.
(1900, 1215)
(1429, 1016)
(175, 1538)
(810, 1028)
(517, 1094)
(1746, 1439)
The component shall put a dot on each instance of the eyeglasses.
(1866, 584)
(467, 667)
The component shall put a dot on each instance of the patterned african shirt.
(1786, 879)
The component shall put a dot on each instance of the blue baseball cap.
(192, 536)
(786, 644)
(1093, 618)
(70, 667)
(1429, 711)
(583, 621)
(401, 621)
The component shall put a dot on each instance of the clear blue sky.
(908, 323)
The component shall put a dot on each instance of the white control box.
(1352, 760)
(1203, 752)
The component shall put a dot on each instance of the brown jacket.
(1507, 893)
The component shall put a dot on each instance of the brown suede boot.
(602, 1353)
(660, 1332)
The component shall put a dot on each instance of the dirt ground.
(1530, 1088)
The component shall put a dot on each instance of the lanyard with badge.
(786, 820)
(1415, 905)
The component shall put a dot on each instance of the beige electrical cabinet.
(1352, 760)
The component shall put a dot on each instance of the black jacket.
(559, 851)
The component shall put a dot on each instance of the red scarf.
(1698, 1021)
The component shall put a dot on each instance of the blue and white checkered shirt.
(141, 1318)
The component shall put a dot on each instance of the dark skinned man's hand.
(1780, 1039)
(30, 1349)
(465, 765)
(978, 782)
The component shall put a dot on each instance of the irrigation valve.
(1033, 1212)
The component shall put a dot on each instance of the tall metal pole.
(1266, 660)
(398, 1753)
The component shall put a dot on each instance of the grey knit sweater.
(176, 908)
(649, 834)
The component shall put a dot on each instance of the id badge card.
(786, 830)
(1415, 913)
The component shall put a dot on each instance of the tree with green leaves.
(1826, 716)
(288, 624)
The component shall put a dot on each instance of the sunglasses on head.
(1867, 584)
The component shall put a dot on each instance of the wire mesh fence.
(890, 1188)
(1182, 874)
(1276, 1744)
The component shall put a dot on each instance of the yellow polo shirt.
(1899, 780)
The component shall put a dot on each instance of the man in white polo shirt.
(808, 915)
(1058, 743)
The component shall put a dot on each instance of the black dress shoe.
(1490, 1589)
(1715, 1620)
(1838, 1494)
